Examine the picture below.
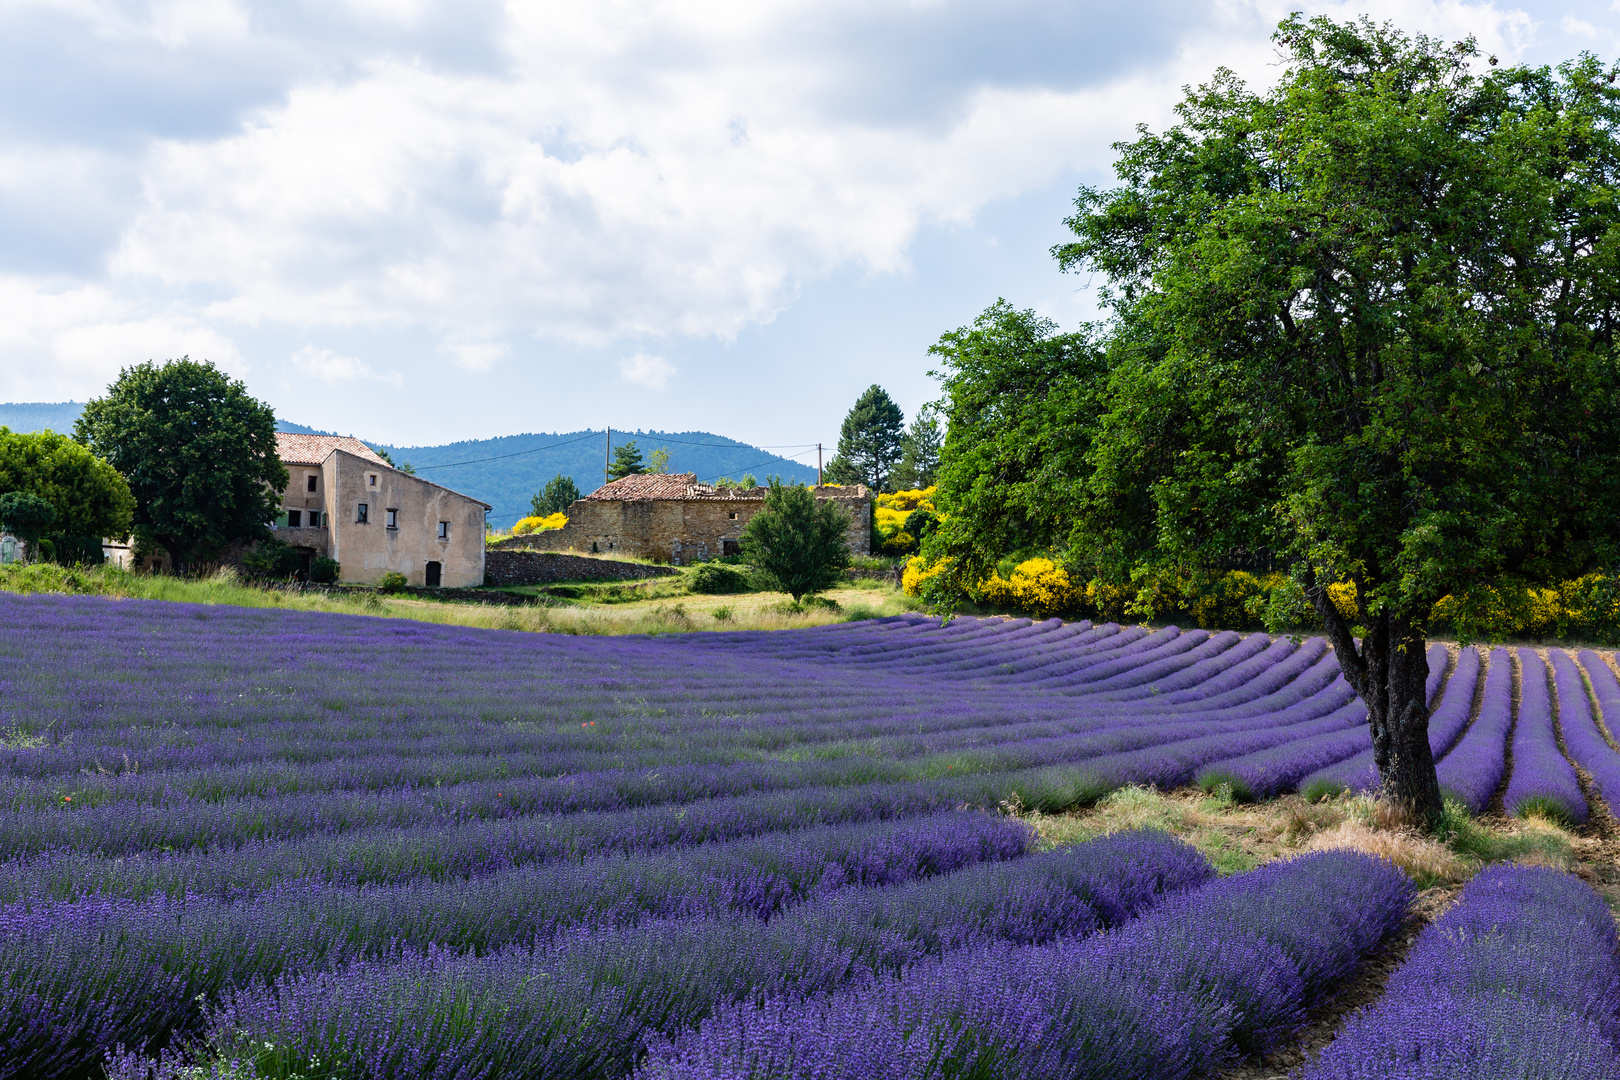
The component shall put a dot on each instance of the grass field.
(650, 606)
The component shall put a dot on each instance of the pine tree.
(626, 461)
(869, 442)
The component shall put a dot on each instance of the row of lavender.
(1475, 730)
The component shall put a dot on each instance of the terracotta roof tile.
(312, 449)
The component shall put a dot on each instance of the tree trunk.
(1388, 670)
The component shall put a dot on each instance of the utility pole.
(607, 459)
(818, 464)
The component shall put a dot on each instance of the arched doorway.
(433, 575)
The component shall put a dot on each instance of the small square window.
(310, 484)
(315, 519)
(732, 516)
(371, 479)
(295, 518)
(393, 519)
(444, 530)
(363, 515)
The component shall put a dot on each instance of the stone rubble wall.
(527, 567)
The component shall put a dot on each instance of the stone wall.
(683, 531)
(519, 567)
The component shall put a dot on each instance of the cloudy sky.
(423, 221)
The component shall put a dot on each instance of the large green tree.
(869, 442)
(1365, 321)
(198, 451)
(90, 499)
(1022, 404)
(800, 541)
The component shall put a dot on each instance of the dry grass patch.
(1237, 836)
(1426, 860)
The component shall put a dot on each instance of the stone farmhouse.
(673, 518)
(346, 503)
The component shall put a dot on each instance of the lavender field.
(333, 846)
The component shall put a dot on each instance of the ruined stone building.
(672, 517)
(345, 502)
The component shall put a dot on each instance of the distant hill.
(506, 471)
(33, 416)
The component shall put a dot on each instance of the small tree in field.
(801, 542)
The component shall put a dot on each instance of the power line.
(503, 457)
(761, 465)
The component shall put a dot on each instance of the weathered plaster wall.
(368, 551)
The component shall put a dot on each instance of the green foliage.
(800, 543)
(919, 452)
(392, 582)
(324, 571)
(869, 442)
(25, 515)
(90, 499)
(1023, 404)
(658, 461)
(556, 497)
(626, 461)
(1363, 322)
(272, 560)
(717, 579)
(199, 454)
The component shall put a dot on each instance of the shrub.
(539, 524)
(717, 579)
(1039, 586)
(324, 571)
(801, 543)
(392, 582)
(900, 520)
(271, 559)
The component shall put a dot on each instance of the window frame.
(391, 518)
(444, 530)
(310, 482)
(362, 514)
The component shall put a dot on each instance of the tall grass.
(766, 611)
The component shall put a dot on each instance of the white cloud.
(646, 370)
(331, 367)
(474, 354)
(591, 172)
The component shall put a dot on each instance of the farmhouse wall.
(367, 549)
(518, 567)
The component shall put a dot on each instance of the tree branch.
(1351, 661)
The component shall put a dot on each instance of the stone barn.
(673, 518)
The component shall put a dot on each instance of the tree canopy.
(801, 542)
(198, 451)
(556, 497)
(1362, 324)
(919, 451)
(89, 499)
(626, 461)
(869, 442)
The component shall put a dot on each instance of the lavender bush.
(1520, 979)
(1543, 781)
(1176, 993)
(1474, 769)
(484, 853)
